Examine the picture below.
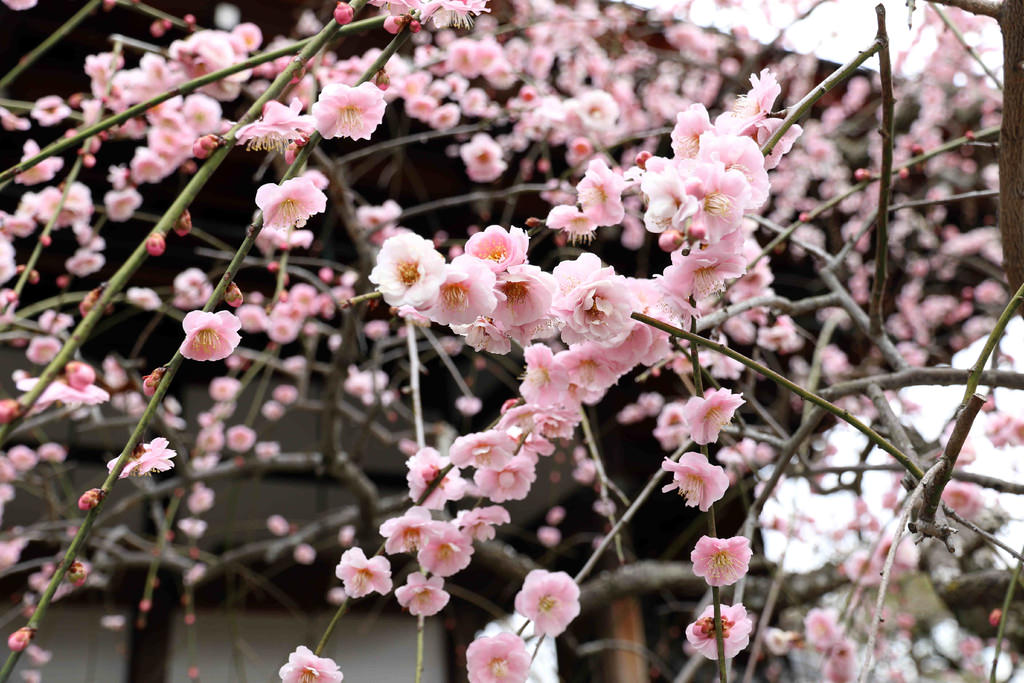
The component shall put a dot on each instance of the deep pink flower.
(499, 659)
(305, 667)
(289, 204)
(210, 336)
(350, 112)
(422, 596)
(721, 561)
(697, 480)
(550, 599)
(362, 576)
(736, 628)
(706, 416)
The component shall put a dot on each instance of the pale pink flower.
(362, 576)
(751, 108)
(706, 416)
(121, 204)
(408, 533)
(155, 457)
(60, 392)
(240, 438)
(483, 158)
(479, 523)
(499, 248)
(511, 481)
(492, 448)
(545, 380)
(424, 467)
(447, 551)
(549, 536)
(721, 561)
(736, 628)
(697, 480)
(422, 596)
(597, 110)
(703, 272)
(224, 388)
(722, 195)
(499, 659)
(594, 303)
(821, 628)
(42, 172)
(278, 525)
(550, 599)
(739, 153)
(964, 497)
(672, 430)
(600, 194)
(466, 293)
(483, 335)
(525, 293)
(351, 112)
(841, 662)
(452, 13)
(409, 271)
(210, 336)
(686, 134)
(278, 127)
(669, 204)
(305, 667)
(570, 220)
(50, 110)
(289, 204)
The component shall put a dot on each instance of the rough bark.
(1011, 144)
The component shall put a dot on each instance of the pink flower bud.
(670, 240)
(393, 24)
(156, 29)
(204, 146)
(20, 639)
(641, 159)
(77, 573)
(995, 616)
(90, 499)
(145, 605)
(79, 375)
(156, 244)
(151, 381)
(233, 295)
(861, 174)
(414, 26)
(343, 13)
(183, 225)
(9, 410)
(45, 240)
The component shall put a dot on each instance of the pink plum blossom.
(821, 628)
(499, 248)
(210, 336)
(277, 127)
(466, 293)
(422, 596)
(479, 522)
(550, 599)
(721, 561)
(736, 628)
(492, 448)
(409, 271)
(303, 667)
(511, 481)
(697, 480)
(706, 416)
(407, 533)
(447, 550)
(498, 659)
(362, 576)
(350, 112)
(600, 194)
(154, 456)
(289, 204)
(483, 158)
(703, 272)
(424, 467)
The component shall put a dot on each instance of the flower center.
(691, 487)
(499, 668)
(350, 116)
(408, 273)
(515, 292)
(271, 141)
(547, 603)
(706, 626)
(309, 675)
(717, 204)
(454, 296)
(706, 281)
(207, 339)
(722, 563)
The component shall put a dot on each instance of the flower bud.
(79, 375)
(414, 26)
(156, 244)
(20, 639)
(861, 174)
(183, 225)
(151, 381)
(205, 145)
(995, 616)
(77, 573)
(156, 29)
(534, 222)
(670, 240)
(9, 410)
(90, 300)
(90, 499)
(343, 13)
(381, 79)
(394, 24)
(641, 159)
(233, 296)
